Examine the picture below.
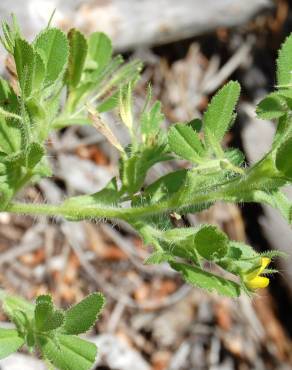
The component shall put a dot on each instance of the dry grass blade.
(103, 128)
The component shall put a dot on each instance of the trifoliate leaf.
(88, 309)
(10, 342)
(46, 317)
(284, 158)
(183, 242)
(53, 47)
(67, 352)
(185, 142)
(284, 64)
(220, 113)
(205, 280)
(271, 107)
(77, 57)
(211, 243)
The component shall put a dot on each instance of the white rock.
(117, 354)
(19, 361)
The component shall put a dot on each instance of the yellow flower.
(254, 280)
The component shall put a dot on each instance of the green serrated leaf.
(134, 169)
(247, 250)
(35, 153)
(271, 107)
(46, 317)
(10, 342)
(53, 47)
(108, 196)
(211, 243)
(16, 159)
(283, 158)
(158, 257)
(89, 309)
(109, 103)
(185, 142)
(99, 50)
(39, 72)
(283, 130)
(10, 33)
(273, 254)
(220, 113)
(151, 119)
(196, 124)
(43, 309)
(206, 280)
(196, 183)
(37, 114)
(14, 303)
(44, 298)
(234, 253)
(125, 74)
(235, 156)
(284, 64)
(67, 352)
(24, 61)
(7, 40)
(277, 200)
(165, 186)
(10, 137)
(77, 56)
(54, 321)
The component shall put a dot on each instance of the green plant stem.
(236, 189)
(87, 212)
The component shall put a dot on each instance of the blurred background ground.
(152, 321)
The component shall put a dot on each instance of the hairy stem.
(236, 189)
(87, 212)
